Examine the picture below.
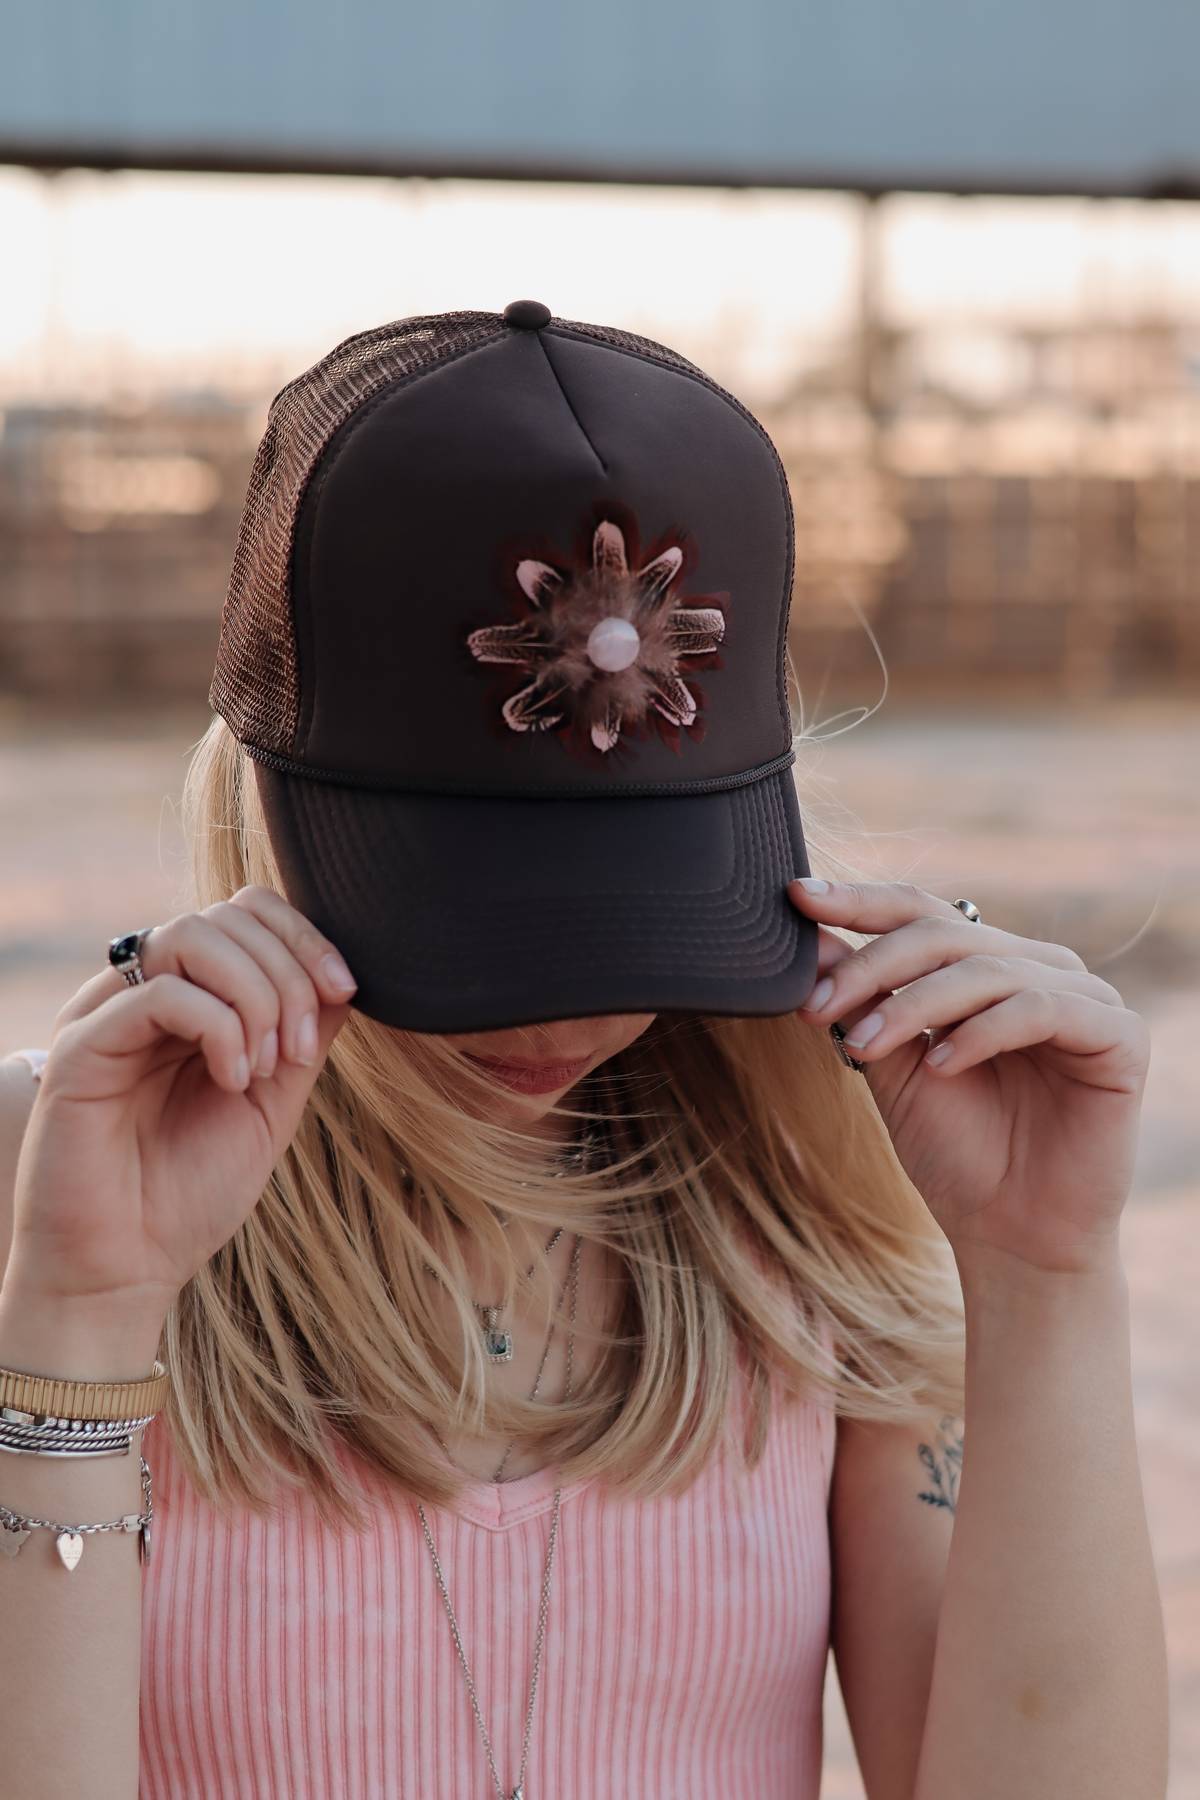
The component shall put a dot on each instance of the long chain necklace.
(518, 1793)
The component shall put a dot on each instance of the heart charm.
(70, 1547)
(11, 1540)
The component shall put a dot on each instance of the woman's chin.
(535, 1082)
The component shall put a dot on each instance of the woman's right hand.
(145, 1149)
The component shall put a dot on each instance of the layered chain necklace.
(499, 1346)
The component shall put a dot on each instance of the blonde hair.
(752, 1195)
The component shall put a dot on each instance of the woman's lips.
(545, 1078)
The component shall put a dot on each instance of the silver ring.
(125, 954)
(837, 1031)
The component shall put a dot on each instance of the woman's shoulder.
(16, 1101)
(35, 1058)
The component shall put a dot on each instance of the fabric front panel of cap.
(413, 525)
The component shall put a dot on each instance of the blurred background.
(951, 260)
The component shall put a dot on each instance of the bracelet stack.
(42, 1415)
(41, 1434)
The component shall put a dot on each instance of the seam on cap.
(758, 909)
(713, 784)
(570, 408)
(563, 329)
(317, 476)
(326, 462)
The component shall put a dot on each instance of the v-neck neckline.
(492, 1505)
(499, 1505)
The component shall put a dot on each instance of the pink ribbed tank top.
(684, 1654)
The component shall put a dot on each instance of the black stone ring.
(125, 954)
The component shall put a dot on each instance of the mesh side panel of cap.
(641, 346)
(255, 684)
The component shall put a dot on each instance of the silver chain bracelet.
(41, 1434)
(15, 1528)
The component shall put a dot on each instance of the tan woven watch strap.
(64, 1399)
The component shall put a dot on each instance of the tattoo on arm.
(944, 1463)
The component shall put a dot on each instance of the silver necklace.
(518, 1793)
(497, 1343)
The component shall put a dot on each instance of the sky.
(130, 281)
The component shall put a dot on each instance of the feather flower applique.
(603, 641)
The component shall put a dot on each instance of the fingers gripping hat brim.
(466, 913)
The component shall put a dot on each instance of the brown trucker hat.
(506, 639)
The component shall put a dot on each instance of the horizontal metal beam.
(1163, 183)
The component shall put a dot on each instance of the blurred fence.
(1049, 541)
(996, 486)
(116, 532)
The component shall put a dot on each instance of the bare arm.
(891, 1516)
(71, 1640)
(148, 1139)
(1049, 1674)
(71, 1646)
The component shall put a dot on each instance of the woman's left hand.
(1022, 1139)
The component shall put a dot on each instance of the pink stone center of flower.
(590, 661)
(613, 644)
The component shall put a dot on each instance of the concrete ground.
(1080, 828)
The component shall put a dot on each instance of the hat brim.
(461, 913)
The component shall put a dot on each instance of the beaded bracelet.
(42, 1434)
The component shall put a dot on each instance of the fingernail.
(268, 1054)
(306, 1039)
(813, 884)
(336, 973)
(865, 1030)
(819, 996)
(940, 1053)
(242, 1072)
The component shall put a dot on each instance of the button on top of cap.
(530, 315)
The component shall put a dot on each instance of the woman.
(560, 1343)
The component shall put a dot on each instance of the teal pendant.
(499, 1346)
(497, 1343)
